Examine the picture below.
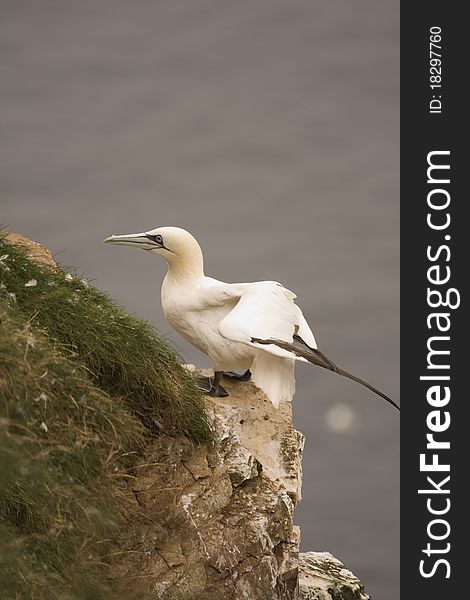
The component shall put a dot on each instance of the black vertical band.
(434, 258)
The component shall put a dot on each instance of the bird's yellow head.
(177, 246)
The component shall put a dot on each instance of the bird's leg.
(216, 389)
(246, 376)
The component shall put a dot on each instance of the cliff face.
(324, 577)
(228, 508)
(228, 531)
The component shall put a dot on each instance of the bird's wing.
(266, 317)
(304, 332)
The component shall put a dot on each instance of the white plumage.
(222, 319)
(252, 326)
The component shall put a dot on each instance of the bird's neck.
(182, 269)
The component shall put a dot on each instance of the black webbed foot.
(211, 385)
(204, 384)
(218, 392)
(246, 376)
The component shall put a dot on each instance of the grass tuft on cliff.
(61, 438)
(122, 353)
(83, 385)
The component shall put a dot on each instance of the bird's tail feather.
(316, 357)
(368, 386)
(275, 376)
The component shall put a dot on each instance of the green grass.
(83, 386)
(122, 353)
(60, 439)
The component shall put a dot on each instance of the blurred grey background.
(269, 129)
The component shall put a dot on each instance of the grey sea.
(269, 129)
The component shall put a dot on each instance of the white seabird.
(256, 326)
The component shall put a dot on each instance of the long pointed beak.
(140, 240)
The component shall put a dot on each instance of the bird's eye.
(156, 238)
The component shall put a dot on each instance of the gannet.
(255, 327)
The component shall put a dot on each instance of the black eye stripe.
(156, 238)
